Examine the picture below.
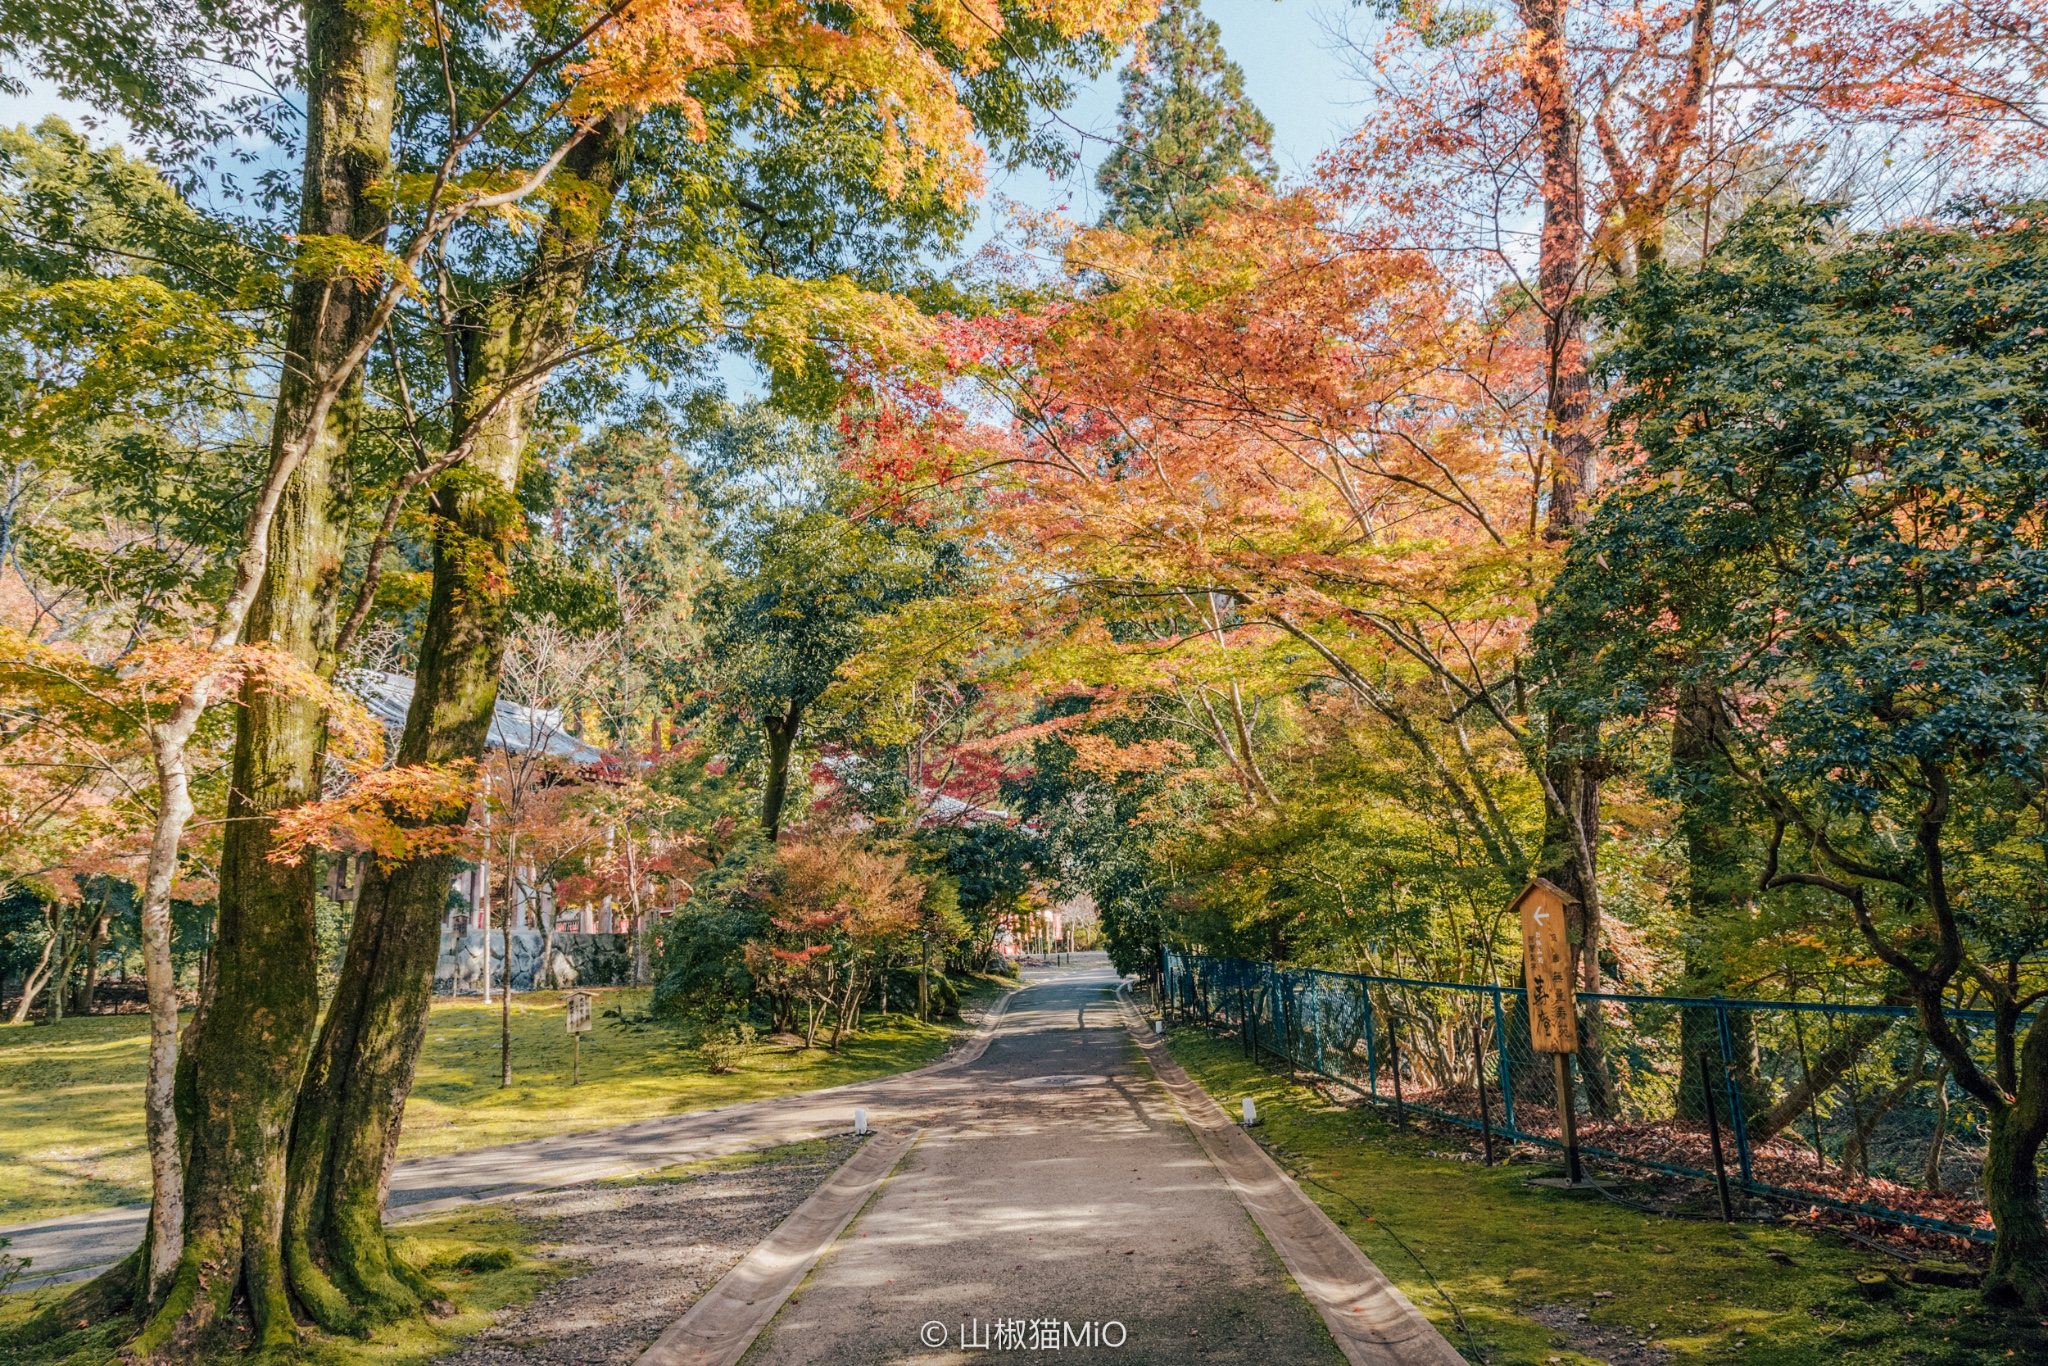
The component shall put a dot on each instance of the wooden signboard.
(577, 1003)
(1547, 963)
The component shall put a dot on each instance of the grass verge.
(633, 1068)
(482, 1261)
(1506, 1254)
(71, 1136)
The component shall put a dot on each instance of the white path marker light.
(1158, 1027)
(1251, 1113)
(860, 1121)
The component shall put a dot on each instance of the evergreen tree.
(1185, 126)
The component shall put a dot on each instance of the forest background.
(1614, 461)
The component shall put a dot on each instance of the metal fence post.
(1735, 1115)
(1283, 1012)
(1479, 1089)
(1714, 1136)
(1296, 1037)
(1507, 1085)
(1315, 1016)
(1372, 1059)
(1394, 1061)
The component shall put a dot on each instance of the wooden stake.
(1567, 1118)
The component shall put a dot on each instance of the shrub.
(728, 1047)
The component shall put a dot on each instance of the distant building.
(514, 729)
(520, 730)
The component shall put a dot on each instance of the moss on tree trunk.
(246, 1050)
(2012, 1177)
(2012, 1192)
(353, 1100)
(775, 790)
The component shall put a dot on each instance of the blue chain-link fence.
(1838, 1105)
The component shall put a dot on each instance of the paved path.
(1056, 1191)
(1373, 1322)
(80, 1245)
(1064, 1190)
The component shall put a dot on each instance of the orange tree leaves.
(394, 814)
(898, 57)
(1293, 420)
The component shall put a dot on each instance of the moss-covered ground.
(480, 1260)
(71, 1093)
(1455, 1232)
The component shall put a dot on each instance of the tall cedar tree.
(1185, 127)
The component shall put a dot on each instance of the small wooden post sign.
(577, 1004)
(1547, 964)
(1553, 1004)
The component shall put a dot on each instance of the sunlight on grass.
(1495, 1245)
(632, 1069)
(71, 1116)
(71, 1093)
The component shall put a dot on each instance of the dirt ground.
(636, 1253)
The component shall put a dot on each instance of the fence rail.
(1840, 1105)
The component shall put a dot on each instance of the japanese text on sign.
(1547, 963)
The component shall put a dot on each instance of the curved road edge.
(79, 1246)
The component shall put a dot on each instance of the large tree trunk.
(2012, 1182)
(353, 1099)
(1570, 838)
(247, 1049)
(1832, 1064)
(60, 968)
(1709, 822)
(781, 740)
(1546, 79)
(1570, 834)
(95, 940)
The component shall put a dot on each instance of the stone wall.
(597, 960)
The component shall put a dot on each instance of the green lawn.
(1497, 1246)
(71, 1093)
(71, 1116)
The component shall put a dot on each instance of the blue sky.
(1290, 72)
